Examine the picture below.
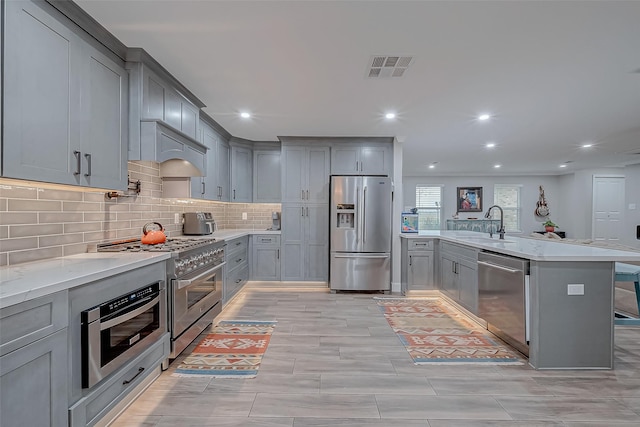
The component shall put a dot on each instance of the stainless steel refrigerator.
(360, 228)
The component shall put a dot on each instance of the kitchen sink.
(487, 240)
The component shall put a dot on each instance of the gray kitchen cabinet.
(236, 270)
(241, 174)
(305, 174)
(266, 176)
(215, 184)
(65, 103)
(417, 267)
(33, 362)
(265, 257)
(305, 242)
(459, 274)
(361, 158)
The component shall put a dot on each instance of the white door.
(608, 205)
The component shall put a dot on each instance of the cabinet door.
(293, 173)
(317, 175)
(448, 276)
(206, 187)
(375, 160)
(265, 263)
(266, 176)
(316, 248)
(293, 239)
(241, 174)
(468, 281)
(105, 142)
(420, 272)
(345, 160)
(33, 384)
(42, 99)
(172, 109)
(188, 118)
(223, 160)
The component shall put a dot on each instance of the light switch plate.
(244, 215)
(176, 218)
(575, 289)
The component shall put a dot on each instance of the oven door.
(109, 342)
(193, 296)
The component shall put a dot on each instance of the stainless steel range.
(194, 283)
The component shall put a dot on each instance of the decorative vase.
(549, 229)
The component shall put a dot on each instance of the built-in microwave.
(119, 329)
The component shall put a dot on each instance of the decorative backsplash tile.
(39, 221)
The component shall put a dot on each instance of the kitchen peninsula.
(569, 298)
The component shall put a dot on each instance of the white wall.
(632, 216)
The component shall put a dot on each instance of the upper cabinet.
(164, 115)
(362, 158)
(65, 102)
(305, 174)
(266, 175)
(241, 173)
(215, 184)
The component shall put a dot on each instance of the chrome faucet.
(501, 229)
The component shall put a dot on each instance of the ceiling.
(552, 75)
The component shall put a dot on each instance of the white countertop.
(31, 280)
(529, 248)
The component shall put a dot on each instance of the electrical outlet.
(176, 218)
(575, 289)
(244, 215)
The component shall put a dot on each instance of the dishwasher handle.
(499, 267)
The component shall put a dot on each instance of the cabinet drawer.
(24, 323)
(420, 245)
(266, 239)
(237, 259)
(237, 245)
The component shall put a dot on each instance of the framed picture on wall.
(469, 199)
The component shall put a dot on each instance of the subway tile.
(100, 216)
(9, 245)
(116, 207)
(99, 236)
(34, 205)
(7, 218)
(18, 192)
(61, 239)
(50, 194)
(4, 232)
(79, 248)
(3, 205)
(19, 257)
(3, 259)
(128, 215)
(59, 217)
(81, 206)
(116, 225)
(34, 230)
(93, 197)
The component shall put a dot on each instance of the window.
(429, 204)
(508, 198)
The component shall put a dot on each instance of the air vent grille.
(383, 66)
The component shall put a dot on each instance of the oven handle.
(186, 282)
(130, 315)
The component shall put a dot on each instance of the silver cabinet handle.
(140, 370)
(78, 165)
(410, 259)
(88, 157)
(307, 211)
(203, 187)
(135, 313)
(302, 211)
(181, 283)
(234, 194)
(278, 255)
(366, 256)
(357, 218)
(301, 194)
(499, 267)
(307, 194)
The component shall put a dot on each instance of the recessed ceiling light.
(390, 115)
(587, 145)
(564, 165)
(245, 115)
(490, 144)
(483, 117)
(432, 166)
(497, 166)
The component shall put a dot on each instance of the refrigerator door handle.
(357, 218)
(360, 256)
(364, 214)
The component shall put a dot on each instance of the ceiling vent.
(388, 66)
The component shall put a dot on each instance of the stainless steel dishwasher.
(503, 297)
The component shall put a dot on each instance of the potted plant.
(549, 226)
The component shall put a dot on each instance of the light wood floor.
(334, 361)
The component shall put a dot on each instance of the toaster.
(198, 223)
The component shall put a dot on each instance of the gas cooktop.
(171, 245)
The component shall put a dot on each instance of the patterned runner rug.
(434, 332)
(233, 349)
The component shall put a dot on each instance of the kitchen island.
(570, 295)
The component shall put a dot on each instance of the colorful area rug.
(434, 332)
(233, 349)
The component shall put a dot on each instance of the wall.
(529, 197)
(39, 221)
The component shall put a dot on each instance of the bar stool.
(629, 273)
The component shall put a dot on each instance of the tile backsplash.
(39, 221)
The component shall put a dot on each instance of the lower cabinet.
(236, 268)
(417, 268)
(33, 362)
(459, 274)
(265, 257)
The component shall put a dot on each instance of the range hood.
(176, 178)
